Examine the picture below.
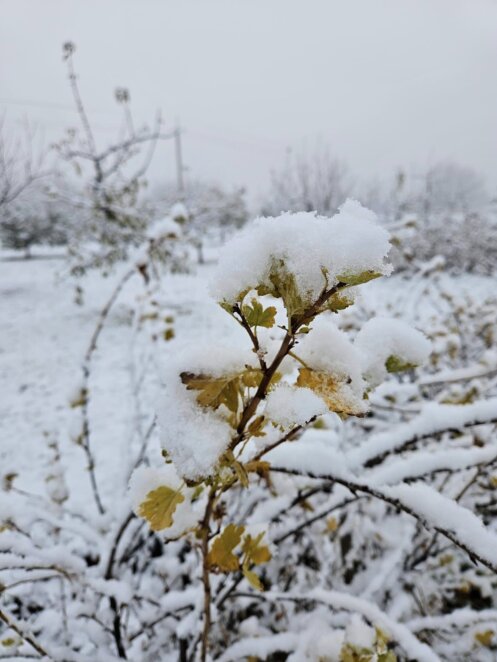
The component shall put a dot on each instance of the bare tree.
(21, 162)
(308, 181)
(114, 176)
(23, 167)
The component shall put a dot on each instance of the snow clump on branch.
(316, 251)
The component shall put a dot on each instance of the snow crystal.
(381, 338)
(288, 406)
(349, 243)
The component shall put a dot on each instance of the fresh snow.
(350, 243)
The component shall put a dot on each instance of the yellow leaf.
(260, 467)
(485, 638)
(241, 473)
(252, 578)
(255, 427)
(159, 506)
(221, 554)
(214, 391)
(255, 552)
(252, 378)
(331, 524)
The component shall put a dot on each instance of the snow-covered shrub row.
(316, 498)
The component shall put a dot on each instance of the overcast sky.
(384, 82)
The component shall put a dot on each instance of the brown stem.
(85, 435)
(109, 573)
(253, 337)
(205, 529)
(289, 340)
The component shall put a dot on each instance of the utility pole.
(179, 162)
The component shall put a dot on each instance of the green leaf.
(358, 279)
(396, 364)
(257, 315)
(389, 656)
(284, 286)
(338, 301)
(159, 506)
(221, 554)
(351, 653)
(228, 307)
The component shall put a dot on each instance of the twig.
(25, 636)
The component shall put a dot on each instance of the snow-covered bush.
(212, 213)
(314, 497)
(225, 409)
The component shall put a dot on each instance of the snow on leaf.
(329, 388)
(159, 506)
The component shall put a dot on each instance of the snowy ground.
(44, 334)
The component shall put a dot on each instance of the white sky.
(384, 82)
